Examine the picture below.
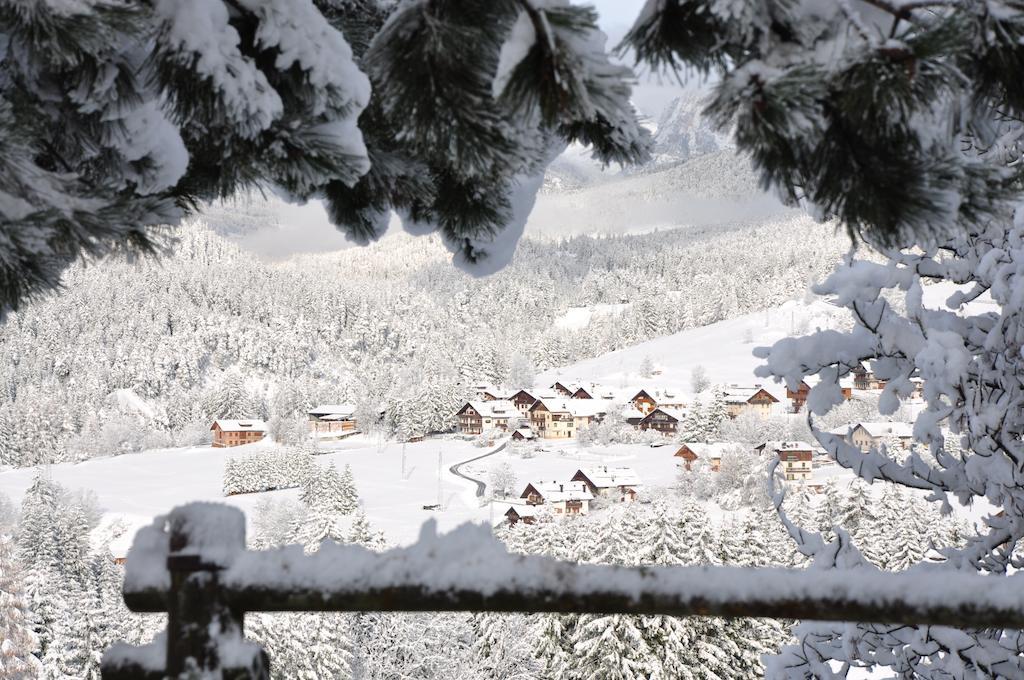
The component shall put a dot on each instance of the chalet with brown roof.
(523, 434)
(568, 498)
(756, 400)
(620, 484)
(662, 420)
(564, 389)
(864, 379)
(581, 393)
(523, 401)
(475, 417)
(796, 459)
(527, 514)
(643, 402)
(237, 432)
(798, 397)
(711, 453)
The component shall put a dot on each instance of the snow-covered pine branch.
(118, 117)
(962, 338)
(900, 119)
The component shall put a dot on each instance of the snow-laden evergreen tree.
(18, 642)
(521, 372)
(233, 400)
(610, 647)
(966, 357)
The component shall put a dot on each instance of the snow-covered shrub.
(289, 431)
(195, 433)
(750, 430)
(502, 480)
(267, 470)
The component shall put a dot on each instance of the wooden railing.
(193, 565)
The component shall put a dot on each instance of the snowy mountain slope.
(716, 188)
(683, 133)
(723, 349)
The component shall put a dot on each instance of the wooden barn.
(332, 418)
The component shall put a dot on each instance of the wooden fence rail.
(195, 567)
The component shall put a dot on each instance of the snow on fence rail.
(193, 565)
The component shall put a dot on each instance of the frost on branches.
(967, 351)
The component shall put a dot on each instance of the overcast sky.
(306, 229)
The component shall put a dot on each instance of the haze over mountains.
(695, 178)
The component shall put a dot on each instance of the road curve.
(481, 486)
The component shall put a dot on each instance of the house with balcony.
(755, 399)
(563, 418)
(620, 484)
(564, 498)
(476, 417)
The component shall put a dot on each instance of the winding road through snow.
(481, 486)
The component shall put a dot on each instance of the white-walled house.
(796, 458)
(476, 417)
(756, 400)
(868, 435)
(563, 418)
(564, 498)
(620, 484)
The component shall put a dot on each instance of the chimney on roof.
(561, 487)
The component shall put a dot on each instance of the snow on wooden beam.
(470, 570)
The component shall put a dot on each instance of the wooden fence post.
(204, 633)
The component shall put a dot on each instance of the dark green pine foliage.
(119, 117)
(895, 121)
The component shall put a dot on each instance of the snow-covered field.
(136, 487)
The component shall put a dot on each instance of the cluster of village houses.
(562, 410)
(574, 496)
(797, 461)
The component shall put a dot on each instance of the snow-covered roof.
(631, 413)
(526, 432)
(523, 509)
(603, 476)
(887, 429)
(496, 408)
(783, 446)
(554, 492)
(675, 413)
(241, 425)
(343, 410)
(708, 450)
(579, 408)
(735, 394)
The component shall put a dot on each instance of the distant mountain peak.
(684, 133)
